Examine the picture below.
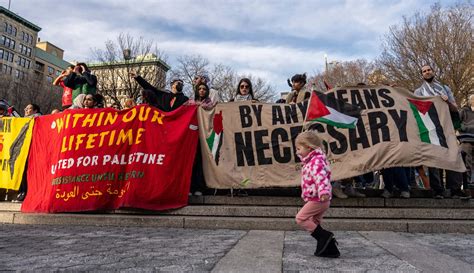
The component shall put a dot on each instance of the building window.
(58, 72)
(49, 79)
(1, 54)
(14, 31)
(12, 44)
(8, 56)
(39, 66)
(50, 70)
(5, 27)
(7, 69)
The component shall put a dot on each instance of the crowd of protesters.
(80, 91)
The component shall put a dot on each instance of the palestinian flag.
(325, 108)
(214, 141)
(428, 123)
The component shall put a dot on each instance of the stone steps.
(373, 202)
(274, 213)
(245, 223)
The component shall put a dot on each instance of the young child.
(316, 192)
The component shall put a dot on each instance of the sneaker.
(242, 193)
(438, 195)
(405, 194)
(459, 194)
(387, 194)
(20, 197)
(337, 191)
(351, 192)
(197, 193)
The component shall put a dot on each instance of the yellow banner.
(15, 139)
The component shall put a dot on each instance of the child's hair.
(309, 139)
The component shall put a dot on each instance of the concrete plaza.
(93, 248)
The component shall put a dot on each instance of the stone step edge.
(333, 212)
(244, 223)
(270, 201)
(349, 202)
(290, 212)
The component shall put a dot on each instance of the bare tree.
(128, 54)
(31, 90)
(188, 66)
(442, 38)
(343, 73)
(223, 78)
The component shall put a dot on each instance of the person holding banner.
(165, 101)
(316, 192)
(244, 91)
(432, 87)
(299, 92)
(203, 78)
(3, 110)
(201, 97)
(466, 137)
(93, 101)
(31, 110)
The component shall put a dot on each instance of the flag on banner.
(428, 123)
(214, 141)
(329, 110)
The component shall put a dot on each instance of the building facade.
(113, 79)
(17, 45)
(21, 56)
(49, 61)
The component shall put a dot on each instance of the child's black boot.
(331, 251)
(323, 237)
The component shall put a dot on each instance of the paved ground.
(81, 248)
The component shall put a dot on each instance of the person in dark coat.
(165, 101)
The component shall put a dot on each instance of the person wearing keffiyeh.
(432, 87)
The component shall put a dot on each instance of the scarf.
(433, 89)
(243, 98)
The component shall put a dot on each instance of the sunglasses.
(244, 86)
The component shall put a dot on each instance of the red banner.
(101, 159)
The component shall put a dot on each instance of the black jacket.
(467, 120)
(165, 101)
(74, 79)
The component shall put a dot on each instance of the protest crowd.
(80, 92)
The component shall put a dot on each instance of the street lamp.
(326, 63)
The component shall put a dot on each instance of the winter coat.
(86, 83)
(467, 120)
(301, 96)
(315, 176)
(165, 101)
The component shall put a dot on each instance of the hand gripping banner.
(99, 159)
